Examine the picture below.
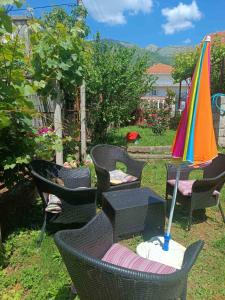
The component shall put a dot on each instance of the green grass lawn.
(39, 274)
(148, 138)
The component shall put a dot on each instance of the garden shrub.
(56, 63)
(174, 121)
(16, 110)
(158, 119)
(116, 79)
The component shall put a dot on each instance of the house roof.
(160, 69)
(220, 35)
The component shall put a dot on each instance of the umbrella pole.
(167, 235)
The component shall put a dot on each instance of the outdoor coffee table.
(134, 211)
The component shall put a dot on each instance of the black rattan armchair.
(94, 279)
(205, 192)
(105, 158)
(78, 204)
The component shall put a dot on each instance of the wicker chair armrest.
(84, 239)
(209, 184)
(220, 180)
(80, 195)
(202, 190)
(134, 167)
(103, 178)
(77, 196)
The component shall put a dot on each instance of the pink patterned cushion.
(185, 186)
(124, 257)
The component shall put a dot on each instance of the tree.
(185, 63)
(59, 15)
(59, 56)
(15, 108)
(218, 66)
(58, 53)
(116, 79)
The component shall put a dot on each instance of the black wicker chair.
(78, 204)
(202, 195)
(105, 158)
(94, 279)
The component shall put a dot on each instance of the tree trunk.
(58, 123)
(83, 122)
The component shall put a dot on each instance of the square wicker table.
(134, 211)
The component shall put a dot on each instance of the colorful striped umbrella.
(195, 141)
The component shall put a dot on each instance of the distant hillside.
(155, 54)
(171, 51)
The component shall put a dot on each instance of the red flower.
(132, 136)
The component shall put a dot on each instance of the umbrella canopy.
(195, 141)
(195, 138)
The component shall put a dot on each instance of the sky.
(144, 22)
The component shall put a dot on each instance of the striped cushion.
(185, 187)
(124, 257)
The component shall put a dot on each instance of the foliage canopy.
(116, 78)
(16, 109)
(185, 63)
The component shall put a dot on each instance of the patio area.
(39, 273)
(90, 171)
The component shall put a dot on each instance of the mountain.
(154, 53)
(170, 51)
(152, 48)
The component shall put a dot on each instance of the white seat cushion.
(118, 177)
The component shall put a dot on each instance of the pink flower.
(44, 130)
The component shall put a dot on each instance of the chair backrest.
(72, 178)
(216, 167)
(45, 168)
(98, 280)
(172, 171)
(216, 171)
(106, 156)
(42, 171)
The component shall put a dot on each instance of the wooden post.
(58, 123)
(179, 97)
(83, 122)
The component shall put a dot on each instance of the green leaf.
(23, 159)
(64, 66)
(9, 166)
(8, 2)
(74, 57)
(28, 90)
(6, 21)
(58, 75)
(39, 84)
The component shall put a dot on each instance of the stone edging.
(150, 152)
